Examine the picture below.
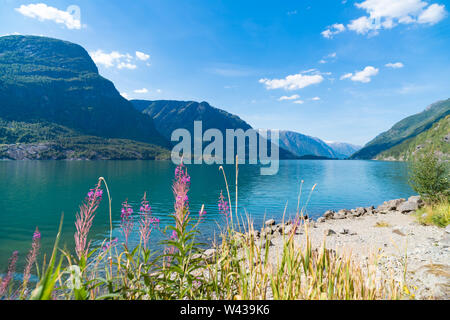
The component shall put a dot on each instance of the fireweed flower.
(10, 273)
(223, 206)
(84, 220)
(126, 220)
(180, 190)
(146, 221)
(31, 258)
(110, 244)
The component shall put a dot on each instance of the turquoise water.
(35, 193)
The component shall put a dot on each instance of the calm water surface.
(35, 193)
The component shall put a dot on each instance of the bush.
(429, 178)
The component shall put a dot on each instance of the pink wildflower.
(31, 258)
(146, 222)
(10, 273)
(180, 190)
(223, 206)
(84, 220)
(126, 220)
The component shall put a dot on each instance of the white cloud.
(43, 12)
(395, 65)
(333, 30)
(387, 14)
(433, 14)
(315, 99)
(143, 90)
(363, 76)
(292, 82)
(346, 76)
(142, 56)
(107, 59)
(331, 56)
(126, 65)
(116, 59)
(299, 102)
(293, 97)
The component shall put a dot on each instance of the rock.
(360, 211)
(390, 205)
(268, 231)
(287, 230)
(210, 255)
(329, 232)
(321, 220)
(417, 200)
(408, 207)
(270, 222)
(398, 231)
(329, 214)
(343, 231)
(447, 229)
(341, 214)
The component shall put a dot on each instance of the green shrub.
(429, 177)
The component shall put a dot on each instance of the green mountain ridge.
(44, 79)
(436, 139)
(405, 129)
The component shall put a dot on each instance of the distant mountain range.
(403, 131)
(55, 105)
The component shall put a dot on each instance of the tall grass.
(241, 265)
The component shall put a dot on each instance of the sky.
(334, 69)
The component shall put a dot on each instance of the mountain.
(302, 145)
(55, 82)
(406, 129)
(343, 150)
(436, 139)
(169, 115)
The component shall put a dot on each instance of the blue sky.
(339, 70)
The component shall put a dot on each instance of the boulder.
(417, 200)
(329, 214)
(270, 222)
(408, 207)
(390, 205)
(329, 232)
(321, 220)
(210, 255)
(341, 214)
(287, 229)
(360, 211)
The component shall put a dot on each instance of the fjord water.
(35, 193)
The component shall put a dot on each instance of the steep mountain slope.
(302, 145)
(48, 141)
(436, 139)
(342, 149)
(169, 115)
(54, 81)
(405, 129)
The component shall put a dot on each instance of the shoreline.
(389, 231)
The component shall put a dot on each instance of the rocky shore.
(391, 231)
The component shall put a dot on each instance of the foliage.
(429, 177)
(59, 142)
(437, 214)
(434, 139)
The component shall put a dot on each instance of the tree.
(429, 177)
